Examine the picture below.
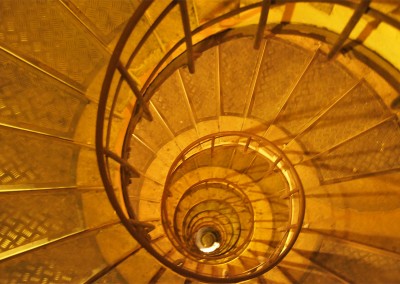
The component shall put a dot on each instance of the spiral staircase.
(199, 141)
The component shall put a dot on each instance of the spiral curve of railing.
(200, 232)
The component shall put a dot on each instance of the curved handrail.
(216, 183)
(294, 192)
(140, 110)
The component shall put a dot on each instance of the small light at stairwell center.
(212, 248)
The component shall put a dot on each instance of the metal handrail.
(216, 182)
(140, 110)
(294, 192)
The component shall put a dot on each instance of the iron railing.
(113, 156)
(278, 162)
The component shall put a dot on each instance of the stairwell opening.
(221, 199)
(300, 95)
(341, 135)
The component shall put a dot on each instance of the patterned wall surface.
(30, 99)
(376, 150)
(154, 133)
(28, 160)
(45, 33)
(359, 110)
(170, 30)
(311, 96)
(105, 18)
(140, 156)
(281, 66)
(235, 82)
(357, 265)
(201, 87)
(70, 262)
(24, 219)
(168, 99)
(39, 272)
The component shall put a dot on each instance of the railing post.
(188, 34)
(355, 18)
(262, 23)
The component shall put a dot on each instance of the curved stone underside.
(324, 115)
(332, 119)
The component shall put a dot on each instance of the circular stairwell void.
(182, 151)
(320, 112)
(355, 184)
(214, 204)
